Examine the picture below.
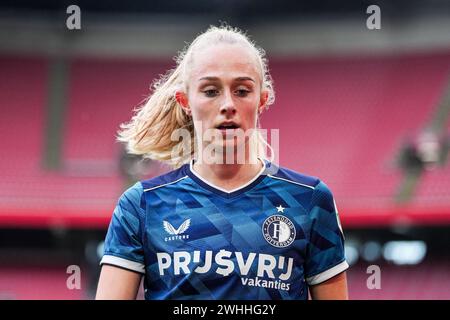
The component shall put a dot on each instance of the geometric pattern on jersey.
(193, 240)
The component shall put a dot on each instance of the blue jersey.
(269, 239)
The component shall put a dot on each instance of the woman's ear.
(182, 100)
(262, 101)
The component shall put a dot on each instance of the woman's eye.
(211, 92)
(242, 92)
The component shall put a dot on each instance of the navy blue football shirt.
(269, 239)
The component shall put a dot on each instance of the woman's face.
(224, 92)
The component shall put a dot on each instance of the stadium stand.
(365, 107)
(427, 281)
(357, 110)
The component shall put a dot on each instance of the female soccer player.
(227, 223)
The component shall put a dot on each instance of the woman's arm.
(332, 289)
(117, 284)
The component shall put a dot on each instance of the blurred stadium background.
(365, 110)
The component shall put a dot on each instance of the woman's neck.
(228, 176)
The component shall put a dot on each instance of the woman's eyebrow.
(209, 79)
(244, 79)
(235, 79)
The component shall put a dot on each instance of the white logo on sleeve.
(176, 233)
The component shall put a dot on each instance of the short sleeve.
(325, 251)
(123, 244)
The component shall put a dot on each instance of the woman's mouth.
(228, 130)
(227, 127)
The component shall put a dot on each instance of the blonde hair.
(150, 129)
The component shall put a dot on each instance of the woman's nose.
(228, 106)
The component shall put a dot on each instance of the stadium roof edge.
(135, 36)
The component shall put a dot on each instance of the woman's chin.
(230, 149)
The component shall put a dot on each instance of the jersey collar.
(222, 192)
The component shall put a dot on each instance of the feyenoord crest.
(279, 231)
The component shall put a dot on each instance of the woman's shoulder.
(295, 177)
(135, 192)
(292, 176)
(164, 179)
(321, 193)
